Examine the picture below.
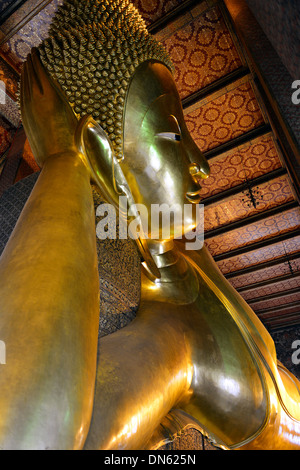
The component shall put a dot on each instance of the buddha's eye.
(172, 135)
(169, 135)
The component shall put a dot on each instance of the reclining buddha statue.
(99, 104)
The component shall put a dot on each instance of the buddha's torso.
(232, 355)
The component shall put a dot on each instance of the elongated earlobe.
(96, 149)
(97, 153)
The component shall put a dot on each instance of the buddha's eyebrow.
(176, 122)
(171, 135)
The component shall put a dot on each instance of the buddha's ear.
(96, 149)
(97, 153)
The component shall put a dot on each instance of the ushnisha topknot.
(93, 50)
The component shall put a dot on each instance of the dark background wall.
(280, 20)
(283, 342)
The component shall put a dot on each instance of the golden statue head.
(93, 50)
(110, 67)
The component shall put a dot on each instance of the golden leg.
(144, 370)
(49, 313)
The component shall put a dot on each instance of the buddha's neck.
(170, 263)
(178, 282)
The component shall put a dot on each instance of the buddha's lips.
(194, 197)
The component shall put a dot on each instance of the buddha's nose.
(199, 172)
(198, 167)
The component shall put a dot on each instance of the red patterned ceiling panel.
(269, 195)
(250, 161)
(202, 51)
(263, 274)
(274, 303)
(264, 229)
(259, 256)
(269, 318)
(281, 286)
(224, 118)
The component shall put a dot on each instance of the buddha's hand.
(48, 119)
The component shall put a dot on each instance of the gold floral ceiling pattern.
(269, 195)
(201, 44)
(252, 216)
(225, 117)
(246, 162)
(253, 258)
(265, 229)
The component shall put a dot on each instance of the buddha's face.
(162, 164)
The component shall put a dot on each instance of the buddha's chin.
(193, 199)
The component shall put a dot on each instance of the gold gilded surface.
(222, 372)
(195, 352)
(49, 286)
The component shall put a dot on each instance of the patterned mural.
(284, 345)
(245, 162)
(224, 118)
(282, 31)
(262, 230)
(280, 286)
(7, 131)
(255, 257)
(268, 195)
(202, 51)
(267, 273)
(19, 45)
(272, 68)
(4, 4)
(10, 77)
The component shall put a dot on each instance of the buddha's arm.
(144, 370)
(49, 310)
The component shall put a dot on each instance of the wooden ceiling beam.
(291, 321)
(215, 86)
(283, 318)
(258, 245)
(275, 295)
(242, 139)
(252, 219)
(269, 311)
(268, 282)
(172, 15)
(10, 9)
(244, 186)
